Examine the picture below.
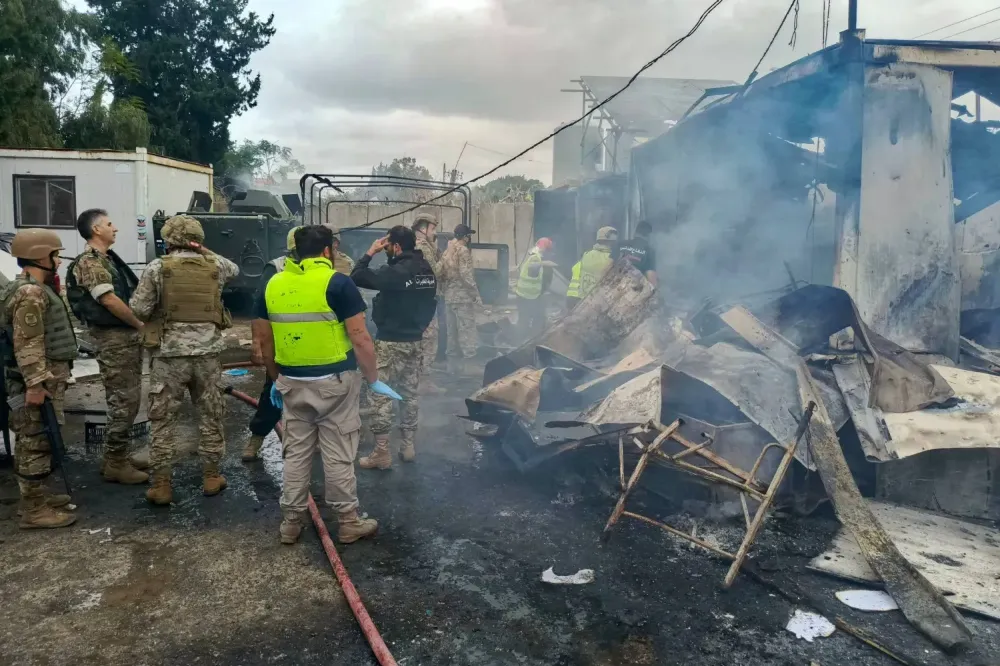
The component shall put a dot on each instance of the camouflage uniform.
(26, 310)
(399, 366)
(187, 358)
(463, 299)
(342, 263)
(119, 357)
(430, 343)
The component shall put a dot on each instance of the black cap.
(462, 231)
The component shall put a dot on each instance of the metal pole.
(979, 108)
(852, 15)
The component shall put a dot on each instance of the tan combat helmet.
(290, 239)
(182, 230)
(422, 219)
(607, 234)
(35, 244)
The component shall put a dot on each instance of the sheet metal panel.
(908, 286)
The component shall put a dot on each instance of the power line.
(975, 27)
(774, 38)
(497, 152)
(711, 8)
(965, 20)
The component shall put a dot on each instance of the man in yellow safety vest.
(309, 332)
(592, 266)
(532, 280)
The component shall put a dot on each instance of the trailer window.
(45, 201)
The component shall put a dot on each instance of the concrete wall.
(507, 224)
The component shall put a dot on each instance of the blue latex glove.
(384, 389)
(276, 397)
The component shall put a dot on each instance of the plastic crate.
(96, 434)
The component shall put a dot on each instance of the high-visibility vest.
(306, 331)
(530, 286)
(593, 265)
(573, 291)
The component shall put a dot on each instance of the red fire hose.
(350, 592)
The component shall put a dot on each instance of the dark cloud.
(352, 82)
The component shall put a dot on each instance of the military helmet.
(182, 230)
(607, 234)
(290, 239)
(422, 220)
(35, 244)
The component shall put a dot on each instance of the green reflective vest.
(530, 286)
(593, 265)
(573, 291)
(306, 331)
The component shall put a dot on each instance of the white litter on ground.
(808, 626)
(581, 577)
(868, 600)
(92, 600)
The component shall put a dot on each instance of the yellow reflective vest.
(530, 286)
(593, 266)
(307, 334)
(573, 291)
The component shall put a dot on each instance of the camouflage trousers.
(463, 339)
(169, 378)
(32, 451)
(119, 357)
(430, 344)
(400, 365)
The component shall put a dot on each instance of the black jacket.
(407, 298)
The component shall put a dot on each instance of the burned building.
(851, 167)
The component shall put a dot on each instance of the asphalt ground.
(453, 576)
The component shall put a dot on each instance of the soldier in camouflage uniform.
(341, 262)
(99, 286)
(404, 307)
(180, 296)
(462, 298)
(425, 227)
(41, 346)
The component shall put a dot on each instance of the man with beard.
(402, 310)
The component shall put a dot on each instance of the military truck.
(252, 233)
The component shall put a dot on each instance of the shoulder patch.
(29, 320)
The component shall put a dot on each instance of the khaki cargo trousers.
(320, 414)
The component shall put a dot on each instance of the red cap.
(544, 244)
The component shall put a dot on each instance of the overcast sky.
(349, 83)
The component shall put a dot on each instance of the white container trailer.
(50, 188)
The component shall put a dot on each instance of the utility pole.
(852, 15)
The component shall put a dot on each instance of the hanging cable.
(774, 38)
(670, 49)
(975, 27)
(965, 20)
(795, 24)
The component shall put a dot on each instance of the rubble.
(735, 384)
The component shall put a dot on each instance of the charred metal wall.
(907, 284)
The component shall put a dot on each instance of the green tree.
(121, 124)
(41, 46)
(508, 189)
(192, 58)
(405, 167)
(260, 160)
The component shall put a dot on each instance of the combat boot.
(38, 515)
(353, 528)
(379, 458)
(213, 482)
(407, 453)
(291, 527)
(118, 469)
(251, 452)
(160, 492)
(55, 501)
